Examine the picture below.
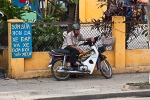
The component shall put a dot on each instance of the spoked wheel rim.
(106, 69)
(59, 75)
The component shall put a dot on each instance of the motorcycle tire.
(106, 69)
(60, 76)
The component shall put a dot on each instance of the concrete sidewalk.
(83, 88)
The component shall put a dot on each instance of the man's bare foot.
(68, 64)
(75, 64)
(6, 78)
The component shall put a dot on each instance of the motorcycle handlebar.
(90, 42)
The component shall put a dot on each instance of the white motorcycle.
(86, 62)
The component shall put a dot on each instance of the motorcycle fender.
(51, 61)
(98, 63)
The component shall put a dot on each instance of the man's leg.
(72, 59)
(73, 56)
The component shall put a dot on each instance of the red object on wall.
(23, 1)
(143, 1)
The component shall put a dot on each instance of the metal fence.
(46, 36)
(3, 34)
(88, 30)
(136, 36)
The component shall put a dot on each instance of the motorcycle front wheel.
(60, 76)
(106, 69)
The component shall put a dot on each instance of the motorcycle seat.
(61, 51)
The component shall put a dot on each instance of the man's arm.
(86, 39)
(90, 39)
(81, 51)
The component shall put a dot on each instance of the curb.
(102, 96)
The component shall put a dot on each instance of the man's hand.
(81, 51)
(92, 39)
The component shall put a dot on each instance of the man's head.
(76, 28)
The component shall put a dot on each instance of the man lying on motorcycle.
(70, 43)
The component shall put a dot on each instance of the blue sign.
(21, 40)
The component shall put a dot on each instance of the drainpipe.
(148, 18)
(76, 14)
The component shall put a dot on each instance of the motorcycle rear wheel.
(60, 76)
(106, 69)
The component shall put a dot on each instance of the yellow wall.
(4, 59)
(88, 9)
(121, 60)
(32, 67)
(136, 61)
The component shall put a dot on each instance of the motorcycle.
(86, 62)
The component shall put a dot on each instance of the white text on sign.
(20, 26)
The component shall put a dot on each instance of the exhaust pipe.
(74, 72)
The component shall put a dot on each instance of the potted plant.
(8, 11)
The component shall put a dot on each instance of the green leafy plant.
(71, 1)
(74, 1)
(141, 85)
(47, 35)
(3, 27)
(10, 11)
(145, 32)
(53, 9)
(56, 9)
